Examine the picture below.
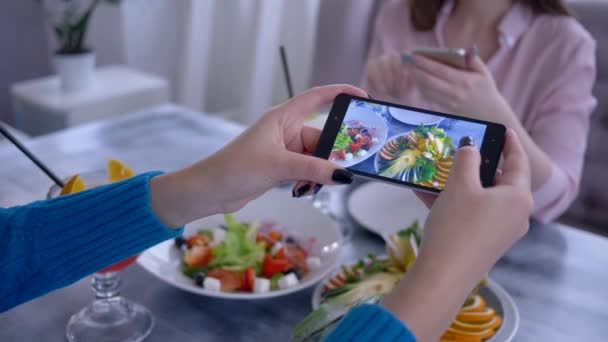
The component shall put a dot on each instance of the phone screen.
(401, 144)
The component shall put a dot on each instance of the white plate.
(414, 118)
(495, 295)
(298, 216)
(370, 119)
(385, 209)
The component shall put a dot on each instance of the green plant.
(70, 20)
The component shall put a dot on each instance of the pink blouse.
(544, 68)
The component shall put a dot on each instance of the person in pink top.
(531, 67)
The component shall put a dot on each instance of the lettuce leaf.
(239, 249)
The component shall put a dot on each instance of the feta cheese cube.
(348, 156)
(361, 153)
(218, 235)
(288, 281)
(212, 284)
(275, 249)
(313, 263)
(261, 285)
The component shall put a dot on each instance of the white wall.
(24, 48)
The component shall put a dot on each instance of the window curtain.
(220, 56)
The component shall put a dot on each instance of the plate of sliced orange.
(488, 315)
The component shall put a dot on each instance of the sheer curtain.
(220, 56)
(231, 59)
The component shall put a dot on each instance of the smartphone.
(453, 57)
(404, 145)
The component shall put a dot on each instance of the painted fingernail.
(301, 191)
(467, 140)
(318, 188)
(343, 176)
(408, 58)
(475, 50)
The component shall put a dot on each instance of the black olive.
(199, 278)
(180, 241)
(293, 270)
(290, 240)
(364, 131)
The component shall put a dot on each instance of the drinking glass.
(110, 317)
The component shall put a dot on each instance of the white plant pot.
(75, 71)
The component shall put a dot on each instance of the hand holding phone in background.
(388, 75)
(470, 91)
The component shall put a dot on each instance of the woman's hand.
(387, 75)
(471, 93)
(469, 223)
(466, 232)
(270, 152)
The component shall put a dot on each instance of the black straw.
(29, 154)
(286, 71)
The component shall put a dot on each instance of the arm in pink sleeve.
(561, 127)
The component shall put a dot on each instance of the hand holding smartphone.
(456, 58)
(404, 145)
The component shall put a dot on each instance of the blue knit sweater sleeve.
(369, 323)
(50, 244)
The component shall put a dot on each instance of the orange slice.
(118, 171)
(476, 316)
(455, 338)
(475, 327)
(476, 334)
(474, 304)
(74, 185)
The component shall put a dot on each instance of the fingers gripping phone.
(404, 145)
(453, 57)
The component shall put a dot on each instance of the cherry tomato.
(198, 240)
(230, 280)
(198, 256)
(248, 279)
(273, 266)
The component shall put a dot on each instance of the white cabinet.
(41, 107)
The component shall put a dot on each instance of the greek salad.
(353, 140)
(246, 257)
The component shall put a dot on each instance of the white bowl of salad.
(274, 246)
(362, 134)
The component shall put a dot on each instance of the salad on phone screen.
(354, 140)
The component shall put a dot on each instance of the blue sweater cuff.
(369, 322)
(70, 237)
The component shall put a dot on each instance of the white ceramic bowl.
(297, 215)
(384, 208)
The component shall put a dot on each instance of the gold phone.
(456, 57)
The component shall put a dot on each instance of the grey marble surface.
(557, 275)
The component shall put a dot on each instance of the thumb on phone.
(475, 63)
(465, 169)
